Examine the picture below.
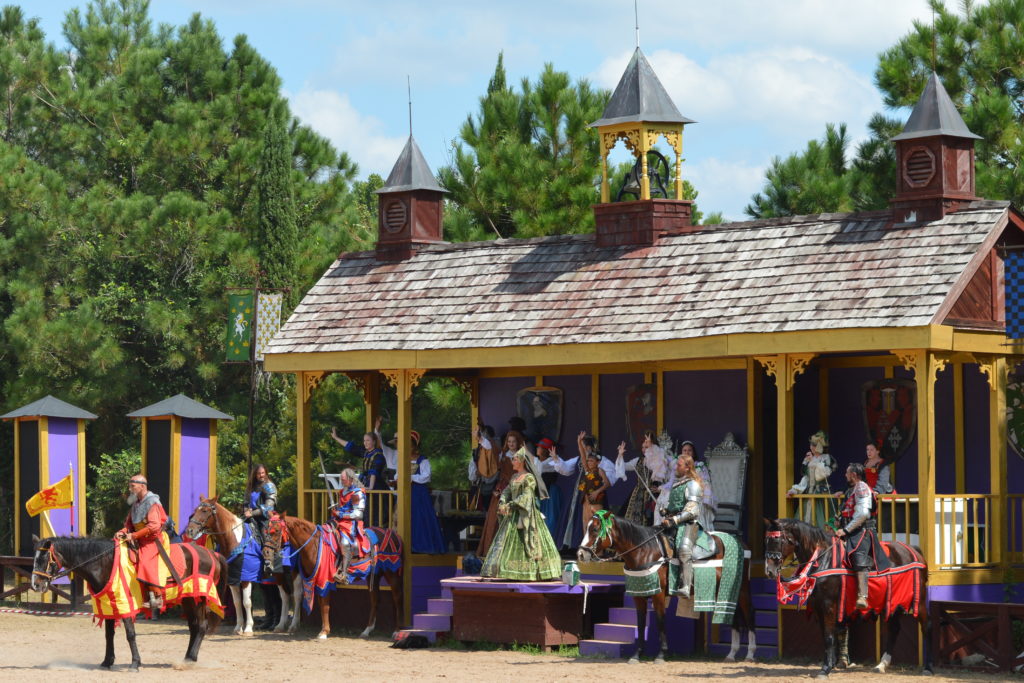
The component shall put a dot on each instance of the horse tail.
(212, 618)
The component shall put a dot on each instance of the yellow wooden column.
(995, 368)
(403, 381)
(213, 459)
(371, 399)
(755, 477)
(645, 179)
(174, 490)
(305, 382)
(925, 366)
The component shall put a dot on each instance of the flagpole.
(71, 473)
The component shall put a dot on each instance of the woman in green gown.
(523, 549)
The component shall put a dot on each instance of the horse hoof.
(822, 676)
(365, 634)
(322, 636)
(927, 672)
(730, 658)
(634, 660)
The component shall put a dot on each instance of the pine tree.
(276, 234)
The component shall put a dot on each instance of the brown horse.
(211, 518)
(608, 537)
(93, 560)
(813, 549)
(304, 537)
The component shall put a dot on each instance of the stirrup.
(862, 602)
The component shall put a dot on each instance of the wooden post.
(997, 465)
(605, 190)
(371, 399)
(925, 367)
(403, 388)
(302, 435)
(755, 474)
(784, 438)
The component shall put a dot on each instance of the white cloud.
(331, 114)
(724, 185)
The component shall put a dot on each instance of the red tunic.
(147, 534)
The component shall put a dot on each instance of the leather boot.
(344, 558)
(862, 590)
(272, 600)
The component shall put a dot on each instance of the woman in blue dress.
(373, 459)
(550, 507)
(426, 531)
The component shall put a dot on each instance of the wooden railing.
(961, 533)
(379, 509)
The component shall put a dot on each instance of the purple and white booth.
(179, 452)
(49, 444)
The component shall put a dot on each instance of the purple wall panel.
(976, 437)
(63, 448)
(904, 472)
(498, 400)
(806, 414)
(195, 466)
(612, 428)
(575, 409)
(1014, 471)
(847, 434)
(945, 433)
(703, 405)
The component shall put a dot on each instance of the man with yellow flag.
(144, 529)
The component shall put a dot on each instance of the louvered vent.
(396, 215)
(920, 167)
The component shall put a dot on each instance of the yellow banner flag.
(59, 495)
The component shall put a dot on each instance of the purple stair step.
(432, 622)
(764, 602)
(766, 619)
(768, 637)
(622, 615)
(441, 606)
(619, 633)
(606, 648)
(426, 633)
(446, 593)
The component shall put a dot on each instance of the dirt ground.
(32, 646)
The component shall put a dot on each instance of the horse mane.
(303, 524)
(635, 534)
(805, 534)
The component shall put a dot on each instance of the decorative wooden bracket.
(310, 381)
(770, 364)
(908, 357)
(358, 379)
(412, 379)
(468, 385)
(794, 365)
(988, 365)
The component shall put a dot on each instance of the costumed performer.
(426, 530)
(143, 529)
(684, 513)
(347, 515)
(816, 467)
(551, 506)
(652, 469)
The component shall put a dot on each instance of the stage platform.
(544, 613)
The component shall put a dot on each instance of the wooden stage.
(544, 613)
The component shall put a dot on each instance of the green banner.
(240, 315)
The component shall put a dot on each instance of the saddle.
(705, 547)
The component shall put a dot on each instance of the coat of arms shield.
(641, 412)
(890, 415)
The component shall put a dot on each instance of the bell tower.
(639, 112)
(934, 159)
(409, 205)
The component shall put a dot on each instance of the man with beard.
(143, 529)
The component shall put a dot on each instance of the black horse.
(641, 552)
(813, 550)
(93, 560)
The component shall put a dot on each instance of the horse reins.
(618, 556)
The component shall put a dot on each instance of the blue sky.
(760, 76)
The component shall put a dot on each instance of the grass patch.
(527, 648)
(568, 651)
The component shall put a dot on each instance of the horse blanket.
(888, 589)
(385, 554)
(321, 580)
(705, 580)
(122, 597)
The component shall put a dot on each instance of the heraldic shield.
(890, 415)
(1015, 413)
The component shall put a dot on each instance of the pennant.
(268, 319)
(239, 338)
(55, 496)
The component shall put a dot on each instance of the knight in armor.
(143, 529)
(262, 499)
(347, 515)
(685, 512)
(858, 532)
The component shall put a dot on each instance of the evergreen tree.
(276, 232)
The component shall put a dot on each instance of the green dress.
(523, 549)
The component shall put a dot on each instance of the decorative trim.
(796, 363)
(359, 379)
(940, 362)
(987, 365)
(412, 377)
(908, 358)
(470, 386)
(672, 136)
(630, 138)
(310, 381)
(770, 365)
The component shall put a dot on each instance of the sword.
(327, 482)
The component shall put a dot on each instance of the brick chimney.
(409, 207)
(934, 159)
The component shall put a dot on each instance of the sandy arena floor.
(33, 646)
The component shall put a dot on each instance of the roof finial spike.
(636, 20)
(408, 85)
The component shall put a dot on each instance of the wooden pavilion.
(767, 329)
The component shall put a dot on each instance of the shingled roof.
(802, 273)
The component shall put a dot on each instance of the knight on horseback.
(347, 515)
(262, 499)
(685, 512)
(142, 531)
(859, 513)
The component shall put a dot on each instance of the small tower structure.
(49, 443)
(934, 159)
(410, 206)
(639, 112)
(179, 452)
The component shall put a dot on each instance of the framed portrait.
(641, 412)
(541, 410)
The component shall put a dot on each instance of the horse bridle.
(606, 533)
(203, 528)
(51, 562)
